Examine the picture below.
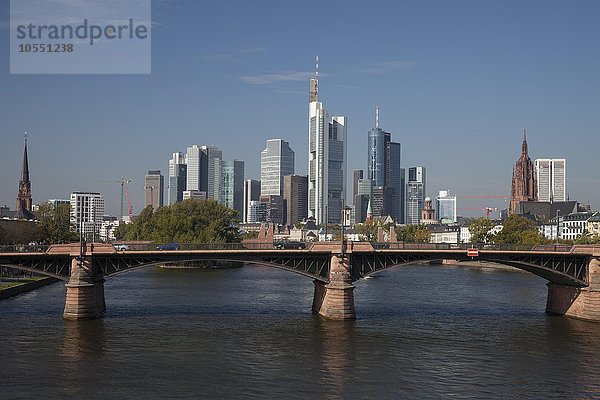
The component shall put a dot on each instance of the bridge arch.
(154, 263)
(36, 271)
(561, 271)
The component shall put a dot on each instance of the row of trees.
(189, 221)
(516, 230)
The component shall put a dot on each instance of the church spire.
(25, 167)
(524, 145)
(24, 196)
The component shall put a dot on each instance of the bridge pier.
(583, 303)
(335, 300)
(85, 291)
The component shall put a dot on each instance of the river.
(421, 332)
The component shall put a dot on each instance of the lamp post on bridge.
(557, 225)
(345, 217)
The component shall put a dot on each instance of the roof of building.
(595, 217)
(5, 212)
(543, 211)
(578, 216)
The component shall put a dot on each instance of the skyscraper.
(356, 175)
(551, 179)
(232, 185)
(295, 196)
(524, 187)
(177, 178)
(276, 161)
(193, 159)
(24, 194)
(154, 187)
(251, 193)
(415, 194)
(384, 171)
(203, 173)
(326, 159)
(212, 179)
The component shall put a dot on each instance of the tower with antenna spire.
(524, 187)
(326, 158)
(383, 169)
(24, 195)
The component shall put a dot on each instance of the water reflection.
(84, 338)
(337, 342)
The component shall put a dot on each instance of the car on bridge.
(290, 244)
(168, 246)
(121, 247)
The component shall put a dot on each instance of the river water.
(421, 332)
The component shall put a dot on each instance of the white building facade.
(276, 161)
(87, 210)
(551, 179)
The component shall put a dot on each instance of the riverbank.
(15, 288)
(479, 264)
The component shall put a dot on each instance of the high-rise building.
(154, 187)
(193, 158)
(356, 175)
(24, 202)
(212, 179)
(272, 209)
(415, 194)
(524, 187)
(551, 179)
(364, 191)
(446, 207)
(251, 193)
(87, 209)
(384, 171)
(177, 178)
(295, 196)
(326, 159)
(232, 185)
(276, 161)
(203, 170)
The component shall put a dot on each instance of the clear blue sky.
(456, 81)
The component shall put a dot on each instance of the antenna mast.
(317, 77)
(377, 116)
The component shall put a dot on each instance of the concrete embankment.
(26, 287)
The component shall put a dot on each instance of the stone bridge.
(573, 273)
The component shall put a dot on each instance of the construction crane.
(121, 181)
(487, 210)
(129, 206)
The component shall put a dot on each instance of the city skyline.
(470, 90)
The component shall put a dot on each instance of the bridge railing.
(24, 248)
(465, 246)
(192, 246)
(124, 246)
